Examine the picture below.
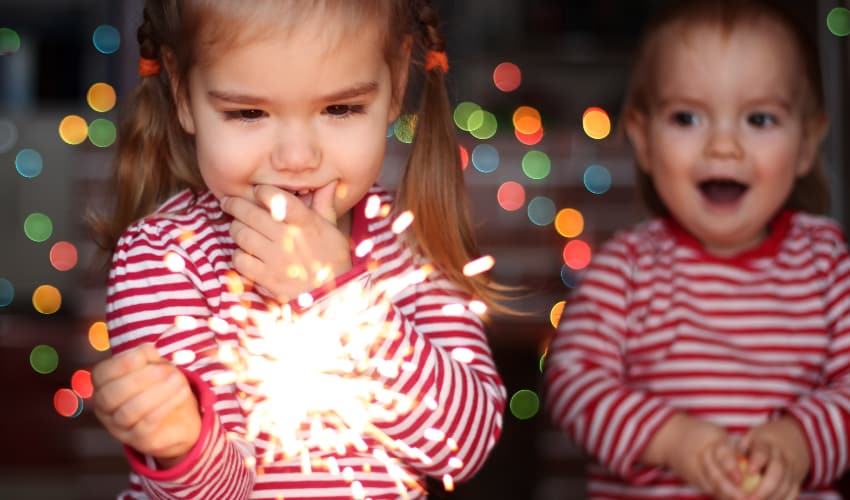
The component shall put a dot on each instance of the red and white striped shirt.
(145, 297)
(657, 325)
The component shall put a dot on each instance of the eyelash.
(347, 110)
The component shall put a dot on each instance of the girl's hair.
(810, 192)
(156, 158)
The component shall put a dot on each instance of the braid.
(146, 36)
(426, 18)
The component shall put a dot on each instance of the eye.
(685, 118)
(761, 119)
(245, 115)
(343, 110)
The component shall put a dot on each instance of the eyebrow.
(357, 90)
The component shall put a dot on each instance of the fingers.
(122, 364)
(323, 202)
(720, 468)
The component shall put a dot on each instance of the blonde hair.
(156, 157)
(810, 192)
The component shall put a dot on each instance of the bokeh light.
(99, 336)
(7, 292)
(569, 277)
(73, 129)
(82, 384)
(463, 111)
(596, 123)
(536, 165)
(577, 254)
(101, 97)
(10, 42)
(485, 158)
(838, 21)
(106, 39)
(507, 77)
(464, 157)
(527, 120)
(47, 299)
(67, 403)
(597, 179)
(488, 127)
(569, 223)
(63, 256)
(524, 404)
(404, 128)
(38, 227)
(44, 359)
(511, 196)
(28, 163)
(102, 132)
(529, 139)
(555, 313)
(8, 135)
(541, 211)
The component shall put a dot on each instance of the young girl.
(720, 330)
(245, 190)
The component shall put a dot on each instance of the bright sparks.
(402, 222)
(278, 207)
(479, 265)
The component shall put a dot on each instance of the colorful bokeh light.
(7, 292)
(67, 403)
(527, 120)
(462, 113)
(511, 196)
(106, 39)
(102, 132)
(464, 157)
(577, 254)
(524, 404)
(485, 158)
(555, 313)
(63, 256)
(101, 97)
(28, 163)
(99, 336)
(10, 42)
(597, 179)
(38, 227)
(44, 359)
(8, 135)
(81, 383)
(529, 139)
(47, 299)
(73, 129)
(838, 21)
(541, 211)
(488, 125)
(596, 123)
(569, 277)
(507, 77)
(404, 128)
(569, 223)
(536, 165)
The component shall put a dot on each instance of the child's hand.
(778, 449)
(146, 403)
(292, 255)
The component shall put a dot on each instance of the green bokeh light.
(102, 132)
(404, 128)
(838, 21)
(44, 359)
(462, 114)
(488, 127)
(536, 165)
(524, 404)
(38, 227)
(10, 42)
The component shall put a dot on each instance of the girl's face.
(726, 135)
(296, 110)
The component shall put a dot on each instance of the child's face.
(295, 111)
(725, 138)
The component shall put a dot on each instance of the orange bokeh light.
(569, 223)
(596, 123)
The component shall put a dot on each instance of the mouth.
(723, 192)
(305, 195)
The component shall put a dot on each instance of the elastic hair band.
(148, 67)
(436, 59)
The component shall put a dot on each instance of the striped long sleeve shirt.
(658, 326)
(176, 264)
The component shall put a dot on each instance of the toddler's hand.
(146, 403)
(289, 252)
(779, 451)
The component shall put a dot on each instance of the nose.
(724, 142)
(296, 148)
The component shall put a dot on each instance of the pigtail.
(433, 185)
(155, 157)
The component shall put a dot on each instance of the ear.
(814, 133)
(179, 92)
(400, 79)
(636, 130)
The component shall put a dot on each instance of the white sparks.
(463, 354)
(430, 403)
(174, 262)
(183, 357)
(478, 307)
(185, 322)
(305, 300)
(452, 444)
(373, 206)
(348, 474)
(479, 265)
(364, 248)
(277, 207)
(433, 434)
(448, 482)
(218, 325)
(402, 222)
(453, 309)
(357, 491)
(455, 463)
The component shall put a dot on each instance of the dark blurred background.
(541, 202)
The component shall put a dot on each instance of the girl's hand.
(293, 255)
(778, 449)
(146, 403)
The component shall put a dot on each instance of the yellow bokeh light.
(101, 97)
(99, 336)
(596, 123)
(527, 120)
(46, 299)
(555, 313)
(73, 129)
(569, 223)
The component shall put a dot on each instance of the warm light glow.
(577, 254)
(479, 265)
(596, 123)
(569, 223)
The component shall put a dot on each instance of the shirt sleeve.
(148, 302)
(589, 397)
(824, 414)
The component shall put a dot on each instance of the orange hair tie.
(148, 67)
(436, 59)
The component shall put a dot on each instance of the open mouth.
(722, 191)
(305, 195)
